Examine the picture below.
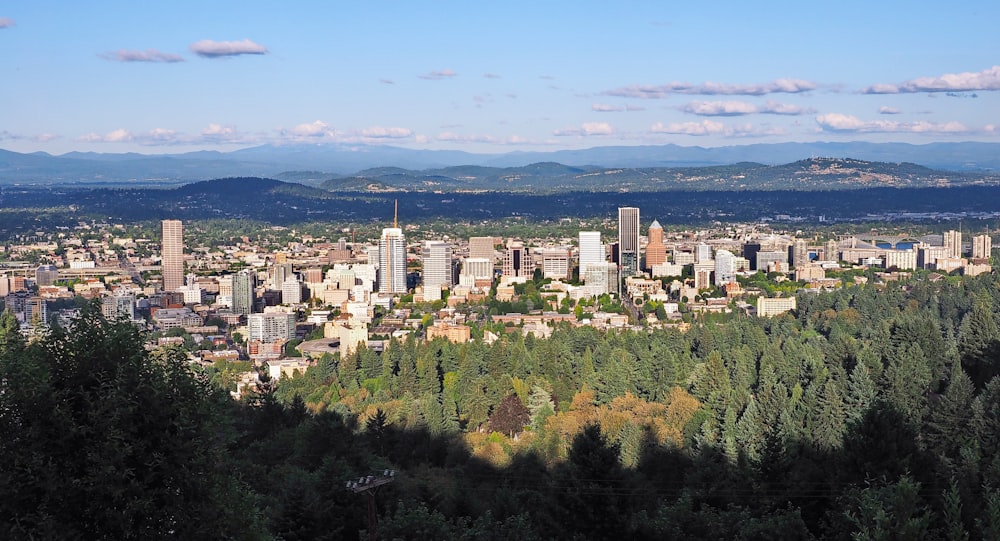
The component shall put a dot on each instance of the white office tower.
(591, 249)
(725, 267)
(476, 269)
(192, 291)
(392, 261)
(291, 291)
(628, 240)
(600, 278)
(702, 253)
(982, 246)
(437, 264)
(225, 296)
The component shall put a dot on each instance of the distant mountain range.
(316, 164)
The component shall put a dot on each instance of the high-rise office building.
(244, 284)
(172, 253)
(280, 274)
(515, 260)
(831, 250)
(392, 261)
(628, 240)
(953, 243)
(436, 258)
(656, 252)
(702, 253)
(591, 249)
(982, 246)
(725, 267)
(482, 247)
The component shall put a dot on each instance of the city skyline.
(179, 77)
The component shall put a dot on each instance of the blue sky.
(165, 77)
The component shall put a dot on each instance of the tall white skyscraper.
(392, 261)
(172, 252)
(628, 240)
(436, 258)
(725, 267)
(591, 249)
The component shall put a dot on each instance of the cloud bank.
(6, 22)
(220, 49)
(586, 129)
(740, 108)
(988, 79)
(149, 55)
(784, 86)
(836, 122)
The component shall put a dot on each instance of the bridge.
(875, 238)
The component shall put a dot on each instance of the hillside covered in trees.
(872, 412)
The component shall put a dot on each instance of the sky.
(178, 76)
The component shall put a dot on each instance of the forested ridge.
(871, 412)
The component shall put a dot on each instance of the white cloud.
(634, 108)
(719, 108)
(149, 55)
(775, 108)
(437, 75)
(705, 127)
(606, 108)
(711, 127)
(453, 137)
(6, 22)
(988, 79)
(586, 129)
(378, 132)
(491, 76)
(118, 136)
(217, 130)
(218, 49)
(836, 122)
(786, 86)
(45, 137)
(387, 81)
(312, 129)
(886, 110)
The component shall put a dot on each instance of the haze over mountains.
(316, 163)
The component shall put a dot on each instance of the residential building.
(767, 307)
(982, 246)
(244, 284)
(270, 327)
(952, 241)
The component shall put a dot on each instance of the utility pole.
(368, 485)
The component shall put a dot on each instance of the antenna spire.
(395, 215)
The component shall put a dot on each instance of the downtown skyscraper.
(172, 253)
(628, 240)
(392, 259)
